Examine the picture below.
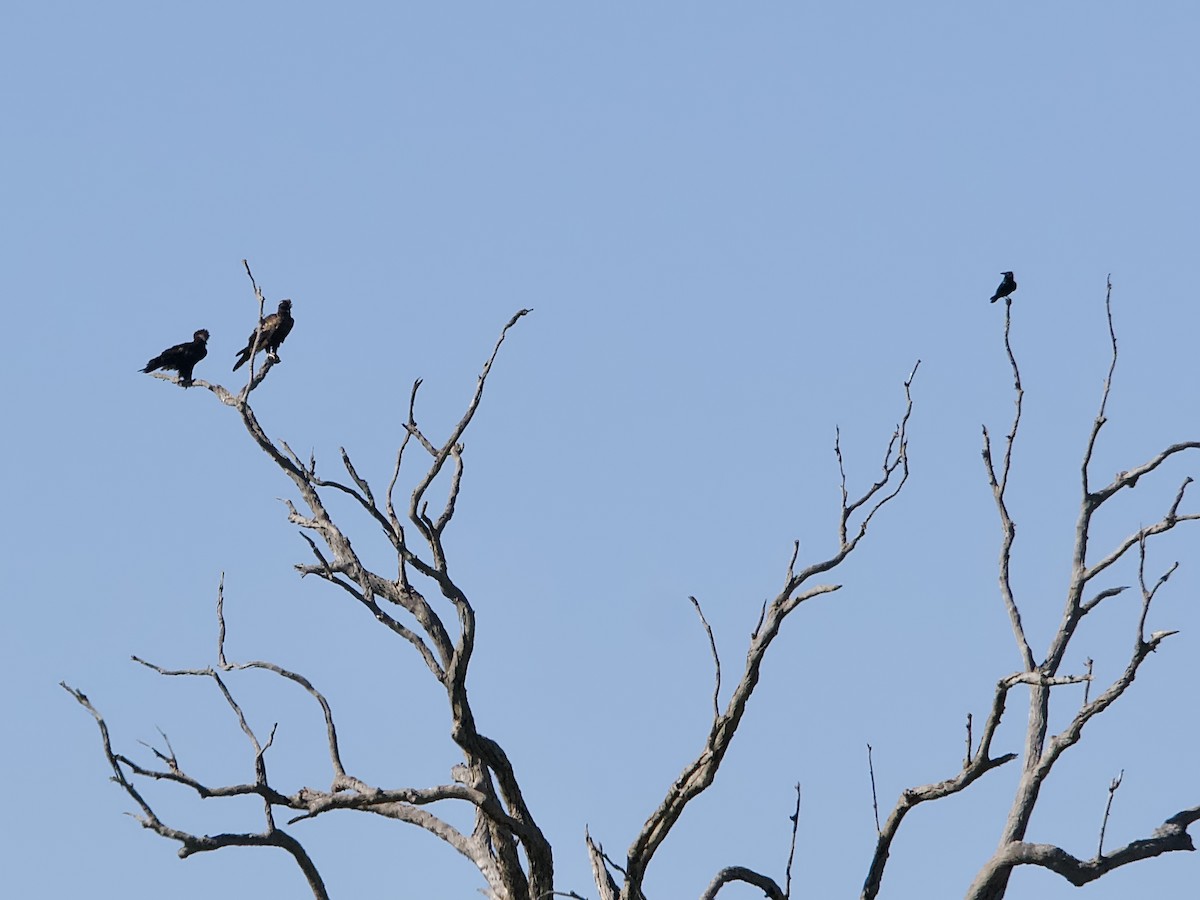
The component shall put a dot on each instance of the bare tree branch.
(504, 841)
(191, 843)
(740, 873)
(1170, 836)
(700, 772)
(712, 643)
(506, 845)
(1043, 750)
(978, 765)
(999, 485)
(874, 793)
(765, 883)
(605, 883)
(1112, 793)
(795, 817)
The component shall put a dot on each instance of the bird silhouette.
(1007, 286)
(182, 357)
(271, 333)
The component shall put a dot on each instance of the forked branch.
(1043, 750)
(700, 772)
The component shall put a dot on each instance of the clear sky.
(738, 226)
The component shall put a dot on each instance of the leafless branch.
(1170, 836)
(712, 643)
(1102, 596)
(698, 774)
(440, 455)
(504, 827)
(340, 780)
(254, 380)
(978, 765)
(191, 843)
(1101, 419)
(1112, 792)
(967, 758)
(999, 486)
(765, 883)
(874, 793)
(740, 873)
(602, 877)
(1043, 750)
(795, 817)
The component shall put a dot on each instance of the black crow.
(1007, 286)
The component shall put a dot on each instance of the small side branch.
(255, 379)
(1143, 646)
(191, 843)
(980, 764)
(700, 772)
(440, 455)
(340, 779)
(1112, 793)
(605, 883)
(765, 883)
(712, 643)
(740, 873)
(874, 793)
(795, 817)
(1100, 420)
(998, 481)
(1172, 835)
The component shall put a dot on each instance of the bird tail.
(994, 299)
(243, 355)
(151, 366)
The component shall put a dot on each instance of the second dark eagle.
(270, 334)
(182, 357)
(1007, 286)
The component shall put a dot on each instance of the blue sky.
(738, 227)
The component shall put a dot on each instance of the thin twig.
(999, 485)
(712, 643)
(1112, 792)
(253, 382)
(874, 795)
(701, 771)
(967, 758)
(795, 817)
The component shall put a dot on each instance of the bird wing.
(172, 355)
(181, 354)
(283, 327)
(268, 326)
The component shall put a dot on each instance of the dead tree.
(505, 842)
(1044, 676)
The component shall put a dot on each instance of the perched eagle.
(271, 333)
(182, 357)
(1007, 286)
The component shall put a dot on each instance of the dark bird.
(1007, 286)
(182, 357)
(270, 334)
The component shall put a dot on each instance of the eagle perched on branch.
(270, 334)
(182, 357)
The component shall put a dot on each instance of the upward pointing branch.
(699, 774)
(999, 486)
